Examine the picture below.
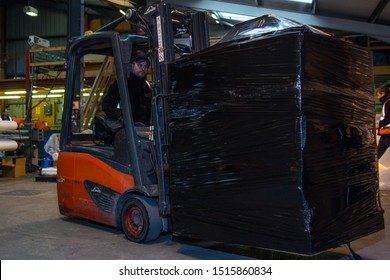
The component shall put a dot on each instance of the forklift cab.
(86, 166)
(93, 65)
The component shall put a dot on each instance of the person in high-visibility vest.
(5, 116)
(384, 122)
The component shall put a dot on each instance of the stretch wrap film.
(272, 142)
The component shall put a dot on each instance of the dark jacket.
(140, 99)
(5, 118)
(386, 110)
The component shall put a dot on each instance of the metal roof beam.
(378, 10)
(378, 31)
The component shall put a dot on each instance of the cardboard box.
(14, 166)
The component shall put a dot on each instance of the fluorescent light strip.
(15, 92)
(10, 97)
(239, 17)
(87, 94)
(302, 1)
(18, 92)
(48, 96)
(58, 90)
(234, 16)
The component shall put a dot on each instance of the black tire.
(140, 219)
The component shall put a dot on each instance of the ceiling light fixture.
(31, 11)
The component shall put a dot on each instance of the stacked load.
(272, 140)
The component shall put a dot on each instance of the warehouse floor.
(32, 228)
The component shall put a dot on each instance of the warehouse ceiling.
(350, 17)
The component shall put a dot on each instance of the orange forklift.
(122, 184)
(264, 139)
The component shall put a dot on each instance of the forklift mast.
(163, 20)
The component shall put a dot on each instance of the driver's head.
(139, 63)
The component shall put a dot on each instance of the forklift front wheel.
(141, 221)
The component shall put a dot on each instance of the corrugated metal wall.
(50, 24)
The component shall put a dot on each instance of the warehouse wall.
(18, 110)
(50, 25)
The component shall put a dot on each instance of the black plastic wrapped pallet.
(272, 143)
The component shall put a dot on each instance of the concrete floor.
(32, 228)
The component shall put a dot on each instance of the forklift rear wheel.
(141, 221)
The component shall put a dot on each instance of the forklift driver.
(138, 89)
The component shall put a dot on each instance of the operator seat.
(112, 133)
(105, 129)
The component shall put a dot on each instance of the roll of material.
(8, 145)
(10, 125)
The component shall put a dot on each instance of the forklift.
(121, 182)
